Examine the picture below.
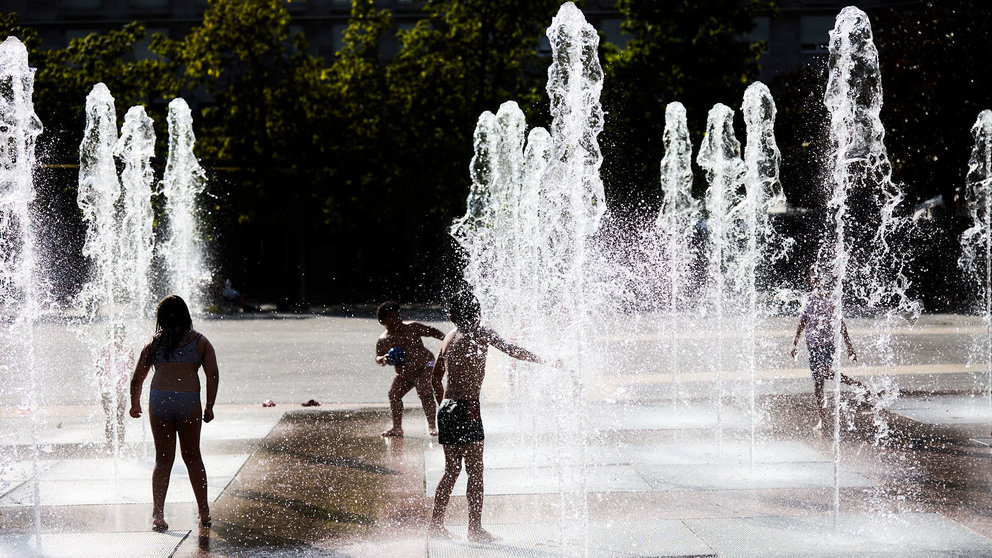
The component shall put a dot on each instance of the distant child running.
(463, 359)
(816, 320)
(401, 346)
(113, 372)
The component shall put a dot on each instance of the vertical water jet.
(762, 247)
(720, 157)
(676, 225)
(976, 240)
(20, 294)
(862, 267)
(135, 149)
(183, 182)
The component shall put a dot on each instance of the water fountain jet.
(976, 241)
(720, 157)
(20, 296)
(183, 182)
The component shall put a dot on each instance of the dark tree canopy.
(337, 179)
(692, 52)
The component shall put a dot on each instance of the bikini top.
(185, 353)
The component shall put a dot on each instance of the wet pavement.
(637, 474)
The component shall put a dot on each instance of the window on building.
(337, 35)
(142, 50)
(72, 6)
(815, 33)
(611, 31)
(78, 33)
(142, 6)
(543, 46)
(762, 31)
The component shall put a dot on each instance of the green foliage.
(468, 56)
(935, 78)
(263, 83)
(691, 52)
(65, 76)
(407, 121)
(361, 115)
(367, 155)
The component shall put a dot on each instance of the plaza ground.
(637, 461)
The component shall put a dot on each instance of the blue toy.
(396, 356)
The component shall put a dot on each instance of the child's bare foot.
(439, 532)
(398, 432)
(159, 525)
(481, 535)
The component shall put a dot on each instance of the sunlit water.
(184, 181)
(20, 296)
(697, 306)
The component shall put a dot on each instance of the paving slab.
(731, 476)
(615, 539)
(98, 481)
(666, 417)
(945, 409)
(911, 535)
(688, 452)
(606, 417)
(510, 454)
(86, 426)
(141, 544)
(550, 480)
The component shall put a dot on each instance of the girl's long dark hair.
(172, 323)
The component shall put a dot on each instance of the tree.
(412, 118)
(263, 99)
(928, 110)
(65, 76)
(263, 83)
(692, 52)
(931, 104)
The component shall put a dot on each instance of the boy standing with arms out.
(401, 346)
(816, 320)
(463, 358)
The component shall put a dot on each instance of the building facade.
(796, 35)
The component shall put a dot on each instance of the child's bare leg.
(821, 401)
(452, 468)
(399, 388)
(425, 391)
(475, 493)
(189, 445)
(164, 434)
(845, 379)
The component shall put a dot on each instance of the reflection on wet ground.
(652, 479)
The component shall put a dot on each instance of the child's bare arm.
(515, 351)
(381, 348)
(847, 340)
(425, 330)
(137, 378)
(213, 379)
(799, 331)
(437, 376)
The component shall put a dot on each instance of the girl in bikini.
(176, 352)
